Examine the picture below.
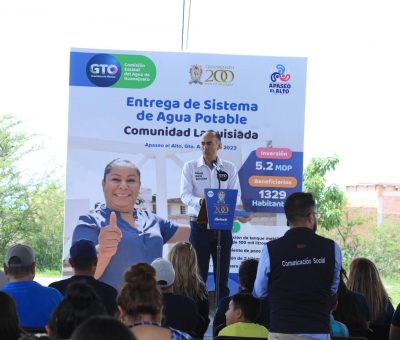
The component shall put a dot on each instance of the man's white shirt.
(197, 176)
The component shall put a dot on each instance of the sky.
(353, 67)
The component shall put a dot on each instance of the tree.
(338, 223)
(31, 210)
(15, 213)
(330, 199)
(47, 209)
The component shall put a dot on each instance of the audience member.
(80, 303)
(246, 276)
(188, 281)
(338, 329)
(102, 328)
(180, 312)
(364, 278)
(34, 301)
(140, 305)
(241, 317)
(9, 323)
(352, 309)
(83, 259)
(299, 272)
(395, 325)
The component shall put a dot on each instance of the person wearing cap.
(180, 312)
(299, 272)
(83, 259)
(34, 302)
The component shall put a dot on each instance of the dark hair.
(250, 306)
(82, 262)
(139, 293)
(14, 267)
(247, 273)
(80, 303)
(298, 205)
(216, 133)
(9, 323)
(102, 328)
(348, 309)
(122, 163)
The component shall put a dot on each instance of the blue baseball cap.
(83, 249)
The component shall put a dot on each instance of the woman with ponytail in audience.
(80, 303)
(140, 305)
(188, 281)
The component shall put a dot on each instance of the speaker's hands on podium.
(243, 219)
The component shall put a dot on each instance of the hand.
(109, 238)
(243, 219)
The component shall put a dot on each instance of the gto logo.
(103, 69)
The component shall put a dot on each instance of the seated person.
(246, 276)
(337, 328)
(83, 259)
(140, 305)
(80, 303)
(9, 323)
(241, 316)
(394, 333)
(34, 301)
(180, 312)
(102, 328)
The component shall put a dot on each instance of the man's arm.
(264, 268)
(187, 188)
(338, 266)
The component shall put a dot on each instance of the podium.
(217, 211)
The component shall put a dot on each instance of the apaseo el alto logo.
(279, 81)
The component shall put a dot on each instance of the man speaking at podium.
(208, 171)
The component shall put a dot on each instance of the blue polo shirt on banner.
(143, 243)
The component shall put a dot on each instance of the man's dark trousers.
(205, 242)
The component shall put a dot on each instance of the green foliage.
(31, 211)
(348, 238)
(330, 199)
(47, 206)
(15, 210)
(382, 247)
(347, 226)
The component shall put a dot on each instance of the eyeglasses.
(315, 213)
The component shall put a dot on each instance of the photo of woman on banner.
(123, 234)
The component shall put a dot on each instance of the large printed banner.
(152, 108)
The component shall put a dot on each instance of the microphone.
(215, 165)
(221, 175)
